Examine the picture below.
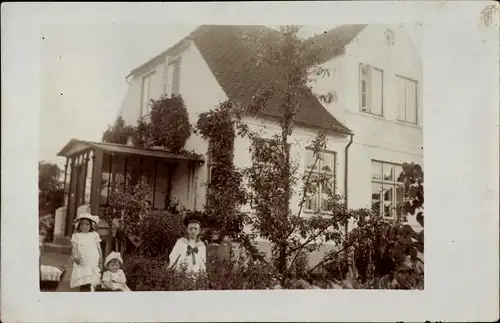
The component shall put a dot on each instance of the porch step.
(62, 240)
(52, 247)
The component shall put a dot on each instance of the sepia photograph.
(239, 157)
(250, 161)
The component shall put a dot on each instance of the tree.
(274, 177)
(50, 188)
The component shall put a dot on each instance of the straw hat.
(94, 219)
(113, 255)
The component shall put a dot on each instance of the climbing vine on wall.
(225, 194)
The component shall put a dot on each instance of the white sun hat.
(94, 219)
(113, 255)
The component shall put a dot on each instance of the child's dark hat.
(195, 217)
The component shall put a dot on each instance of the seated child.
(114, 278)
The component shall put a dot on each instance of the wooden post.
(92, 179)
(69, 209)
(85, 170)
(125, 175)
(95, 195)
(64, 184)
(154, 182)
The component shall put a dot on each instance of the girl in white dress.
(190, 251)
(114, 277)
(86, 253)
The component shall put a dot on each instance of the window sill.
(378, 117)
(408, 124)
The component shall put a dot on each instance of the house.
(375, 76)
(374, 120)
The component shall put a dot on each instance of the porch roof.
(75, 146)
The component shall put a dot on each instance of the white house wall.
(376, 138)
(300, 139)
(201, 92)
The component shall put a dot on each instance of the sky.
(83, 70)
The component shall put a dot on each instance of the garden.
(375, 254)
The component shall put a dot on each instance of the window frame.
(145, 110)
(368, 93)
(416, 83)
(319, 172)
(383, 182)
(175, 63)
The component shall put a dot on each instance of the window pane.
(376, 170)
(310, 158)
(105, 179)
(327, 195)
(170, 79)
(401, 88)
(376, 193)
(411, 101)
(119, 173)
(364, 79)
(398, 173)
(399, 199)
(388, 200)
(312, 198)
(388, 172)
(146, 94)
(376, 92)
(176, 77)
(161, 186)
(328, 162)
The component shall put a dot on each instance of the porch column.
(95, 192)
(195, 185)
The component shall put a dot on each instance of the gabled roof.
(235, 67)
(334, 41)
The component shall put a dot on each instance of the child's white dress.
(88, 271)
(117, 280)
(192, 255)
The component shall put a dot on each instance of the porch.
(94, 170)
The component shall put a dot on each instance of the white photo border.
(461, 162)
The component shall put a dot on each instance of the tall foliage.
(118, 133)
(50, 188)
(225, 193)
(167, 126)
(386, 254)
(274, 177)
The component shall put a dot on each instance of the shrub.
(153, 274)
(170, 127)
(46, 227)
(159, 231)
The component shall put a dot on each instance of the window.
(387, 189)
(146, 94)
(171, 83)
(407, 100)
(320, 197)
(371, 89)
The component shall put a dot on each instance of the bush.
(159, 231)
(153, 274)
(46, 227)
